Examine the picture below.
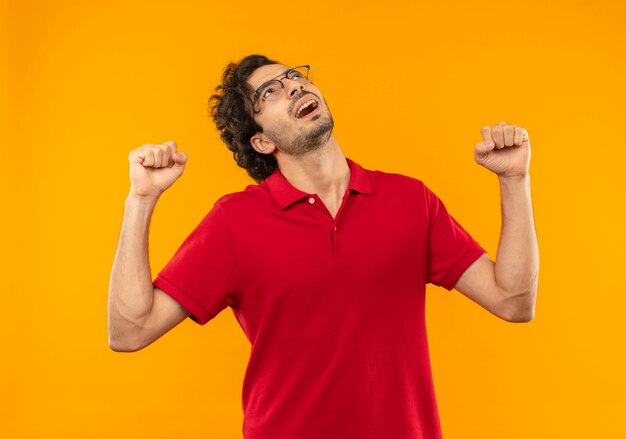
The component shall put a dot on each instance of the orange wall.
(409, 86)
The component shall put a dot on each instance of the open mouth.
(306, 109)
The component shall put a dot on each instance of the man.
(323, 263)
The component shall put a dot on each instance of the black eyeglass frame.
(256, 95)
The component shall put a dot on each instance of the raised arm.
(508, 286)
(139, 313)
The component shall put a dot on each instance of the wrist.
(514, 179)
(515, 186)
(144, 200)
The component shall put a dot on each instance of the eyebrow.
(273, 79)
(278, 76)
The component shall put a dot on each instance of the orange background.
(409, 85)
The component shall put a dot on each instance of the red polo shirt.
(333, 308)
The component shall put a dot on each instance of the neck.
(323, 171)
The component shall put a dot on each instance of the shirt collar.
(286, 194)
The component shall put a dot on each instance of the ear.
(262, 144)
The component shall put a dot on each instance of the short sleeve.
(202, 274)
(451, 249)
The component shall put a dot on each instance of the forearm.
(130, 288)
(517, 260)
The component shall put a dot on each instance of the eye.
(294, 74)
(267, 92)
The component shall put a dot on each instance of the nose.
(293, 87)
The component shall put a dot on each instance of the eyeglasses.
(272, 89)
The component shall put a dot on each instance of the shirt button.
(311, 200)
(335, 227)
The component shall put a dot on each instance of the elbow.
(118, 346)
(124, 335)
(521, 316)
(124, 342)
(521, 308)
(519, 304)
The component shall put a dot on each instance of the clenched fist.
(505, 150)
(154, 168)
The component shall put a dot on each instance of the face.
(287, 127)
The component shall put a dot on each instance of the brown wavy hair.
(231, 110)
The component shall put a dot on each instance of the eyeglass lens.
(272, 89)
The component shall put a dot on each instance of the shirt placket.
(337, 249)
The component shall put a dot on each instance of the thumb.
(482, 150)
(180, 158)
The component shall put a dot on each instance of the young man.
(323, 263)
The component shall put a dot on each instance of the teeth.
(303, 106)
